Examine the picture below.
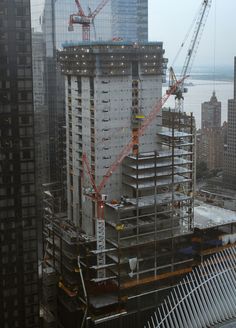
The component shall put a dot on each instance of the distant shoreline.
(221, 78)
(222, 74)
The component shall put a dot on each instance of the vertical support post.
(155, 216)
(101, 245)
(86, 32)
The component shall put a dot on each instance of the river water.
(200, 91)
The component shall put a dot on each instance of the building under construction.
(112, 259)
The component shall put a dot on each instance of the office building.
(40, 122)
(54, 92)
(229, 174)
(130, 20)
(19, 294)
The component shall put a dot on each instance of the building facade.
(117, 19)
(130, 20)
(210, 147)
(54, 92)
(229, 174)
(19, 294)
(210, 139)
(211, 113)
(100, 124)
(40, 122)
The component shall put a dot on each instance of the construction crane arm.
(80, 9)
(147, 121)
(192, 50)
(198, 30)
(98, 9)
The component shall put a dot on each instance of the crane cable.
(214, 50)
(185, 39)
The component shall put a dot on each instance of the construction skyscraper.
(114, 269)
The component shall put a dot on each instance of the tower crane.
(200, 23)
(85, 20)
(176, 88)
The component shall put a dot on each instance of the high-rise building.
(40, 122)
(210, 139)
(130, 20)
(229, 174)
(211, 113)
(19, 303)
(54, 92)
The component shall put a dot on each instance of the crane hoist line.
(85, 20)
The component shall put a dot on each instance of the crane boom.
(99, 8)
(198, 30)
(191, 53)
(80, 9)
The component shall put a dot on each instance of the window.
(26, 119)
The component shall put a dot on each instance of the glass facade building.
(130, 20)
(19, 304)
(123, 19)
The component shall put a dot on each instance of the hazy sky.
(169, 21)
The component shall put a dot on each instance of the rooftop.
(110, 43)
(209, 216)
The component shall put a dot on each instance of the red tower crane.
(85, 20)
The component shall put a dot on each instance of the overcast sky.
(169, 21)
